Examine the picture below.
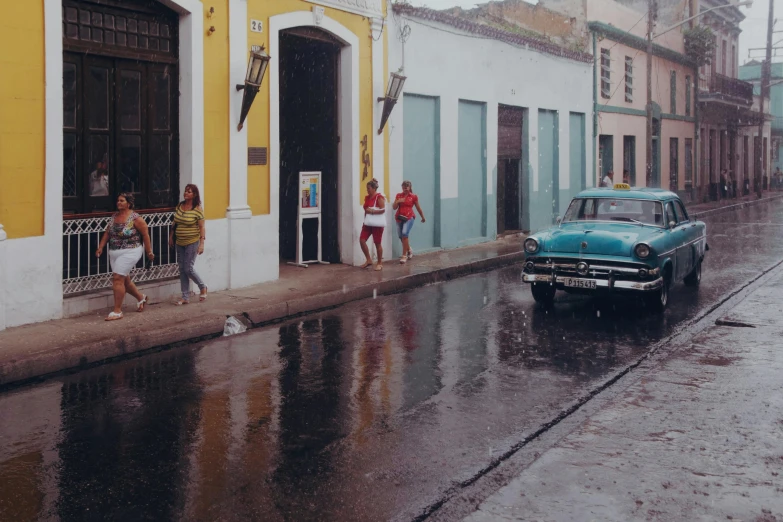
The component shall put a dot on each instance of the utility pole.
(651, 8)
(766, 69)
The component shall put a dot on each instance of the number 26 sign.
(256, 26)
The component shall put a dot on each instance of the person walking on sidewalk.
(374, 223)
(188, 236)
(125, 234)
(403, 204)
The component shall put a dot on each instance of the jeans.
(186, 258)
(404, 229)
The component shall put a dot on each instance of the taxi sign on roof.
(622, 186)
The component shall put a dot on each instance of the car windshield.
(638, 211)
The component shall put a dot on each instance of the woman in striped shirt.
(188, 235)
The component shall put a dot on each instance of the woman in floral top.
(125, 234)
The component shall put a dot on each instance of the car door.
(679, 235)
(693, 235)
(676, 237)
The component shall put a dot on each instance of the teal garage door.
(472, 174)
(421, 166)
(577, 161)
(548, 196)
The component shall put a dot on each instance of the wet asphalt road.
(367, 412)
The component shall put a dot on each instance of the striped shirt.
(186, 221)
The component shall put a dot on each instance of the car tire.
(543, 293)
(694, 278)
(658, 300)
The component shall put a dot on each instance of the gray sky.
(754, 28)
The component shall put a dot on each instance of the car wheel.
(694, 278)
(658, 301)
(543, 293)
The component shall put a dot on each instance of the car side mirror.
(558, 220)
(672, 224)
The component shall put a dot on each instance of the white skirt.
(125, 259)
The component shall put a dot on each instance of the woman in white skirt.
(125, 234)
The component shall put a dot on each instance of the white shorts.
(125, 259)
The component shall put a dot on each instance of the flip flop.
(180, 302)
(203, 297)
(140, 304)
(378, 267)
(113, 316)
(367, 264)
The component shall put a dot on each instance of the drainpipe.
(595, 109)
(696, 174)
(3, 285)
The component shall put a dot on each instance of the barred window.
(628, 79)
(687, 95)
(674, 92)
(606, 84)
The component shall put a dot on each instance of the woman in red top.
(403, 204)
(374, 221)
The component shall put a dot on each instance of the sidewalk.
(38, 349)
(699, 437)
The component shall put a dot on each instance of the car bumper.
(601, 284)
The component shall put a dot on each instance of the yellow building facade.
(101, 97)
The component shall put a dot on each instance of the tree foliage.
(699, 44)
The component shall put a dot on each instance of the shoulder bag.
(375, 220)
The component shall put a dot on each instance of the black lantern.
(256, 68)
(393, 91)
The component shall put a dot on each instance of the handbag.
(402, 219)
(375, 220)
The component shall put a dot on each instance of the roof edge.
(542, 46)
(639, 43)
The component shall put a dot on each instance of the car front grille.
(596, 268)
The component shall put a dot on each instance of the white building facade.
(493, 129)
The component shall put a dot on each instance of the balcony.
(716, 87)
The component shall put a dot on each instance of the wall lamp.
(393, 91)
(256, 68)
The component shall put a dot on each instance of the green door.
(548, 164)
(576, 155)
(472, 174)
(421, 166)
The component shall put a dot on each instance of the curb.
(738, 206)
(70, 359)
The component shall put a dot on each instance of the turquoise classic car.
(620, 239)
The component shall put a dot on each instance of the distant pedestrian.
(608, 179)
(188, 238)
(125, 234)
(405, 217)
(374, 224)
(723, 184)
(779, 177)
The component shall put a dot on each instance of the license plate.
(579, 283)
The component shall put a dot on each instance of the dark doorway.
(308, 137)
(605, 156)
(509, 197)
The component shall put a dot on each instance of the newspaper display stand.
(309, 207)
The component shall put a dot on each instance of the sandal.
(180, 302)
(203, 297)
(113, 316)
(403, 260)
(378, 267)
(140, 304)
(366, 264)
(410, 253)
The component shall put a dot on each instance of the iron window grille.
(606, 83)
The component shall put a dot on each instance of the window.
(673, 91)
(733, 61)
(688, 163)
(671, 216)
(606, 83)
(687, 95)
(628, 79)
(611, 209)
(120, 109)
(723, 69)
(681, 214)
(674, 164)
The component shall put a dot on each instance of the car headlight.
(531, 245)
(642, 251)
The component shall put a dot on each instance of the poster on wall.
(310, 192)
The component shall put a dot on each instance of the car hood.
(612, 239)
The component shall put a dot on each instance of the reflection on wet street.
(366, 412)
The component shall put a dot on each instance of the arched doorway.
(309, 136)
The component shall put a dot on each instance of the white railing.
(83, 272)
